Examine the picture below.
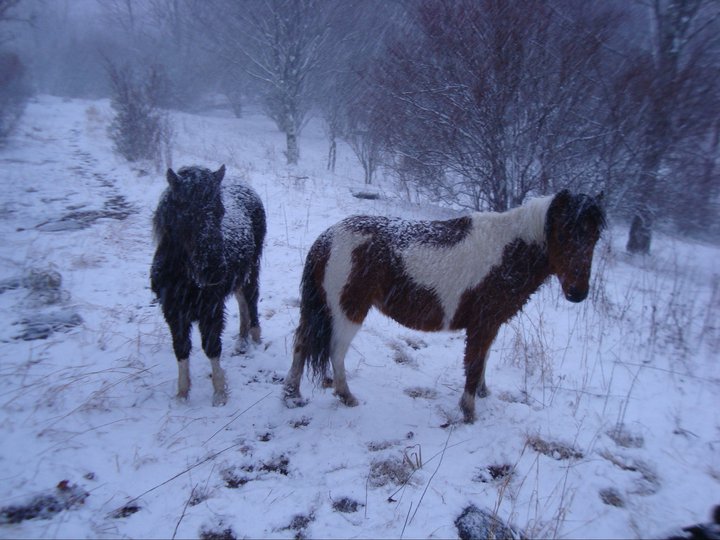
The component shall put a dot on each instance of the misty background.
(475, 104)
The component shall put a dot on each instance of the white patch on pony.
(219, 384)
(337, 272)
(244, 313)
(450, 271)
(183, 378)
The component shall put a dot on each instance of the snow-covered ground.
(602, 420)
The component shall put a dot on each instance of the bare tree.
(356, 34)
(9, 13)
(280, 44)
(140, 129)
(14, 85)
(672, 87)
(492, 100)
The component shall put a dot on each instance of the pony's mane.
(532, 218)
(588, 207)
(573, 209)
(159, 218)
(526, 222)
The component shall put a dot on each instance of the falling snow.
(602, 419)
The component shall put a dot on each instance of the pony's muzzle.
(574, 294)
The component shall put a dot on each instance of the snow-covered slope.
(602, 421)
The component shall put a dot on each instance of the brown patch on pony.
(486, 307)
(505, 289)
(377, 278)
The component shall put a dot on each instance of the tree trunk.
(332, 154)
(640, 234)
(293, 152)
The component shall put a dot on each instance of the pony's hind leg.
(247, 299)
(251, 288)
(211, 327)
(241, 345)
(343, 333)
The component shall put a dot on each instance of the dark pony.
(472, 273)
(209, 241)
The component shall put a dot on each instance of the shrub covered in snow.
(140, 129)
(14, 92)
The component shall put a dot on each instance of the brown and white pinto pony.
(471, 273)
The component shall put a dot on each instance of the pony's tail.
(314, 333)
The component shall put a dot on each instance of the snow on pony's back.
(471, 273)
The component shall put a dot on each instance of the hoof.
(348, 399)
(292, 398)
(255, 334)
(241, 346)
(294, 402)
(219, 399)
(182, 398)
(327, 382)
(467, 406)
(483, 392)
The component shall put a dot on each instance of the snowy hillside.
(603, 418)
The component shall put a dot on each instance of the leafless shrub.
(217, 534)
(612, 497)
(554, 450)
(648, 482)
(623, 437)
(420, 392)
(392, 470)
(140, 130)
(401, 355)
(14, 92)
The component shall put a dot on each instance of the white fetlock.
(219, 399)
(242, 345)
(255, 334)
(183, 379)
(219, 384)
(467, 404)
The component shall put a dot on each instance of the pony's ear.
(172, 178)
(219, 174)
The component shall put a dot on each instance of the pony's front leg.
(180, 331)
(476, 349)
(247, 298)
(211, 328)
